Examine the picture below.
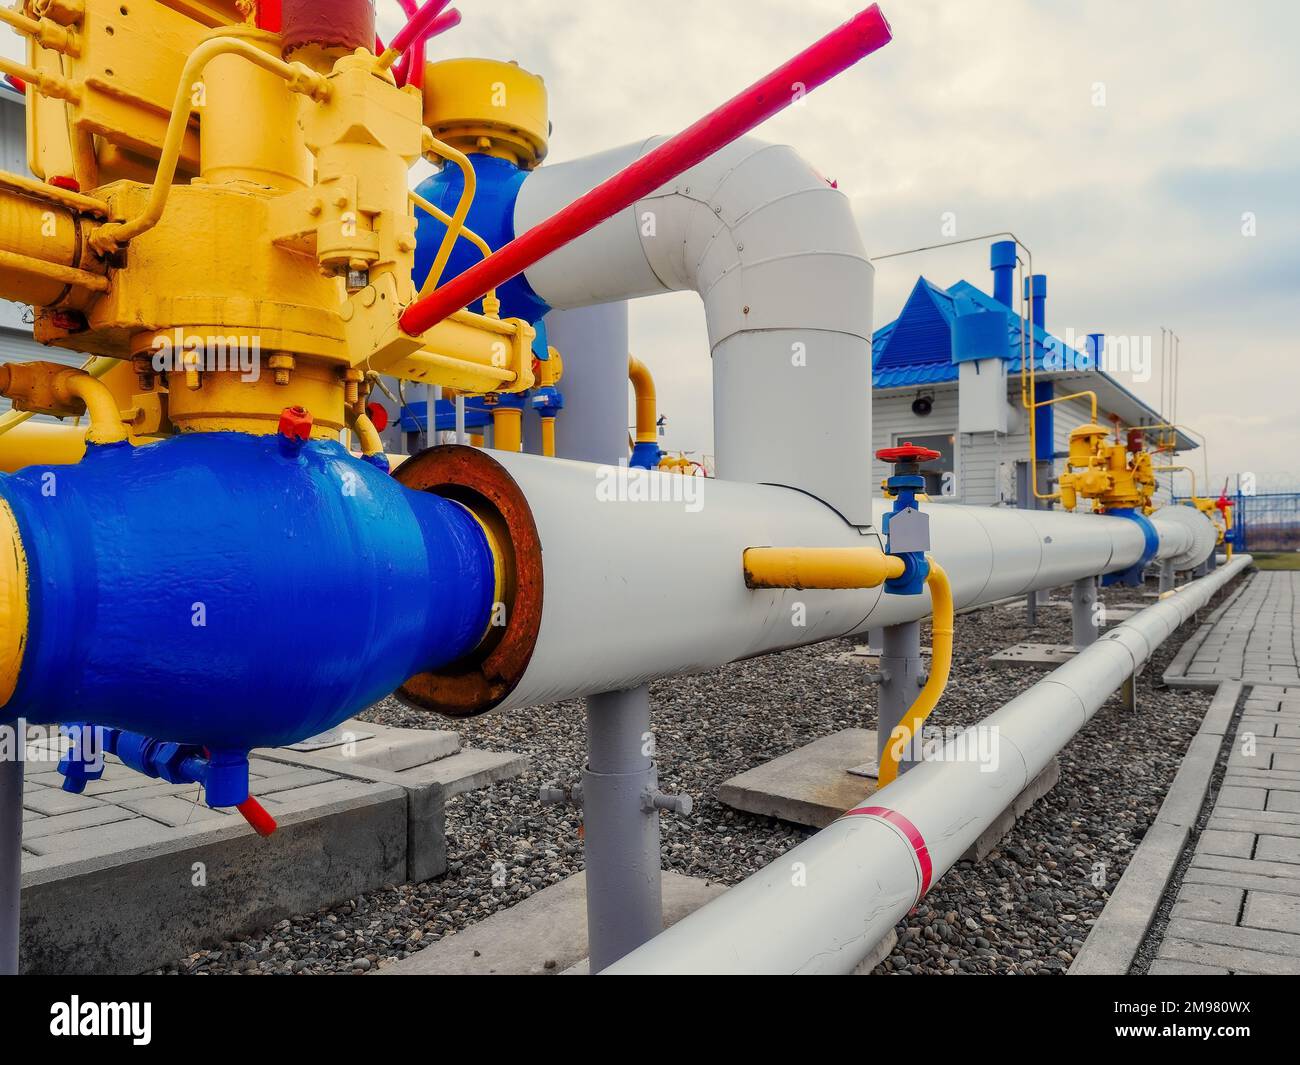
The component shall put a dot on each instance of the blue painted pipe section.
(492, 217)
(224, 775)
(646, 455)
(1044, 422)
(1132, 577)
(222, 590)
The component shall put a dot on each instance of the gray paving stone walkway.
(1252, 638)
(1238, 908)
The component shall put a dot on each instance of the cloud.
(1122, 141)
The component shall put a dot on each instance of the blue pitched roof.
(916, 347)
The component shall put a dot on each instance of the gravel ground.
(1025, 909)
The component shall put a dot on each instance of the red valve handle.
(906, 452)
(255, 814)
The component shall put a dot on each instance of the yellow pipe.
(41, 444)
(46, 84)
(447, 220)
(940, 665)
(548, 437)
(108, 237)
(1173, 469)
(366, 433)
(819, 567)
(457, 221)
(64, 275)
(647, 409)
(101, 405)
(96, 367)
(45, 32)
(1033, 434)
(507, 429)
(13, 602)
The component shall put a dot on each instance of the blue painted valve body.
(224, 591)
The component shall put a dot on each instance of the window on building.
(942, 469)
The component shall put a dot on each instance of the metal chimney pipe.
(1003, 262)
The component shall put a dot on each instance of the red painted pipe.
(836, 52)
(418, 26)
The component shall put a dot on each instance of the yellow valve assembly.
(226, 209)
(1114, 474)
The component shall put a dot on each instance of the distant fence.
(1267, 521)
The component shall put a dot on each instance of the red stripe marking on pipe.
(836, 52)
(913, 835)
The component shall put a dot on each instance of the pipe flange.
(482, 679)
(1205, 537)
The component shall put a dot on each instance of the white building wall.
(985, 461)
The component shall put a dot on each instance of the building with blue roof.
(946, 374)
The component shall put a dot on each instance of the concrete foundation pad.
(356, 811)
(546, 934)
(1034, 655)
(812, 786)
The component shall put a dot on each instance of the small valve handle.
(255, 814)
(906, 452)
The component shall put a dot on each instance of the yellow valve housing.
(490, 107)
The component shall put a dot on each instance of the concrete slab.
(812, 785)
(358, 809)
(175, 889)
(1044, 656)
(546, 934)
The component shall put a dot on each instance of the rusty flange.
(481, 680)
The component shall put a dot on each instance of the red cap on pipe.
(255, 814)
(836, 52)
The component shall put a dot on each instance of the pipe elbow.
(766, 241)
(106, 426)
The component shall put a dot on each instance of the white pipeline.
(643, 578)
(773, 251)
(825, 904)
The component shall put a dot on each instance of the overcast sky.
(1127, 142)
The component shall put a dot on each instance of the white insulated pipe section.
(822, 906)
(774, 252)
(643, 575)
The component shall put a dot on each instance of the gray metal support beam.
(901, 679)
(624, 899)
(1083, 615)
(1167, 577)
(11, 853)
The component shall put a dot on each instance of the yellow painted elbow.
(101, 405)
(819, 567)
(647, 403)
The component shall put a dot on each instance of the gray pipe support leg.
(1166, 577)
(11, 853)
(900, 682)
(624, 882)
(1083, 615)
